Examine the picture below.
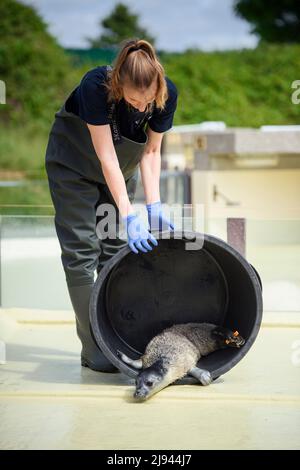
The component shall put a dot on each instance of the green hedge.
(241, 88)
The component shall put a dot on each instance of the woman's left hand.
(156, 218)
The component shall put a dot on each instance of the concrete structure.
(239, 172)
(215, 147)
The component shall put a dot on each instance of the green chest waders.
(77, 187)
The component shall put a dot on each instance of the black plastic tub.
(136, 296)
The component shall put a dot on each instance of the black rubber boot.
(91, 354)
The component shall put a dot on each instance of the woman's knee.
(79, 268)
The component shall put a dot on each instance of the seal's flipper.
(137, 363)
(202, 375)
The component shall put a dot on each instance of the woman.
(110, 124)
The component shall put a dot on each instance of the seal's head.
(228, 338)
(150, 381)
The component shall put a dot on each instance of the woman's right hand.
(138, 234)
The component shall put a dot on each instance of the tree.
(33, 66)
(118, 26)
(273, 21)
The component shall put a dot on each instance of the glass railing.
(30, 265)
(31, 273)
(273, 248)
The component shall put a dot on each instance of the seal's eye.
(149, 383)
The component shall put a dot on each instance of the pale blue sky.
(176, 24)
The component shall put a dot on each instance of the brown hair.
(138, 66)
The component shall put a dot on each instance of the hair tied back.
(134, 48)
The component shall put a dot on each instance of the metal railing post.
(236, 234)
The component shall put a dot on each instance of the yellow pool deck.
(48, 401)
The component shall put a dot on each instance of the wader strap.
(112, 116)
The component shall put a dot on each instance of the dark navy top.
(89, 102)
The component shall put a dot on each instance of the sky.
(176, 24)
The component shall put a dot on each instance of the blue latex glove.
(138, 234)
(156, 218)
